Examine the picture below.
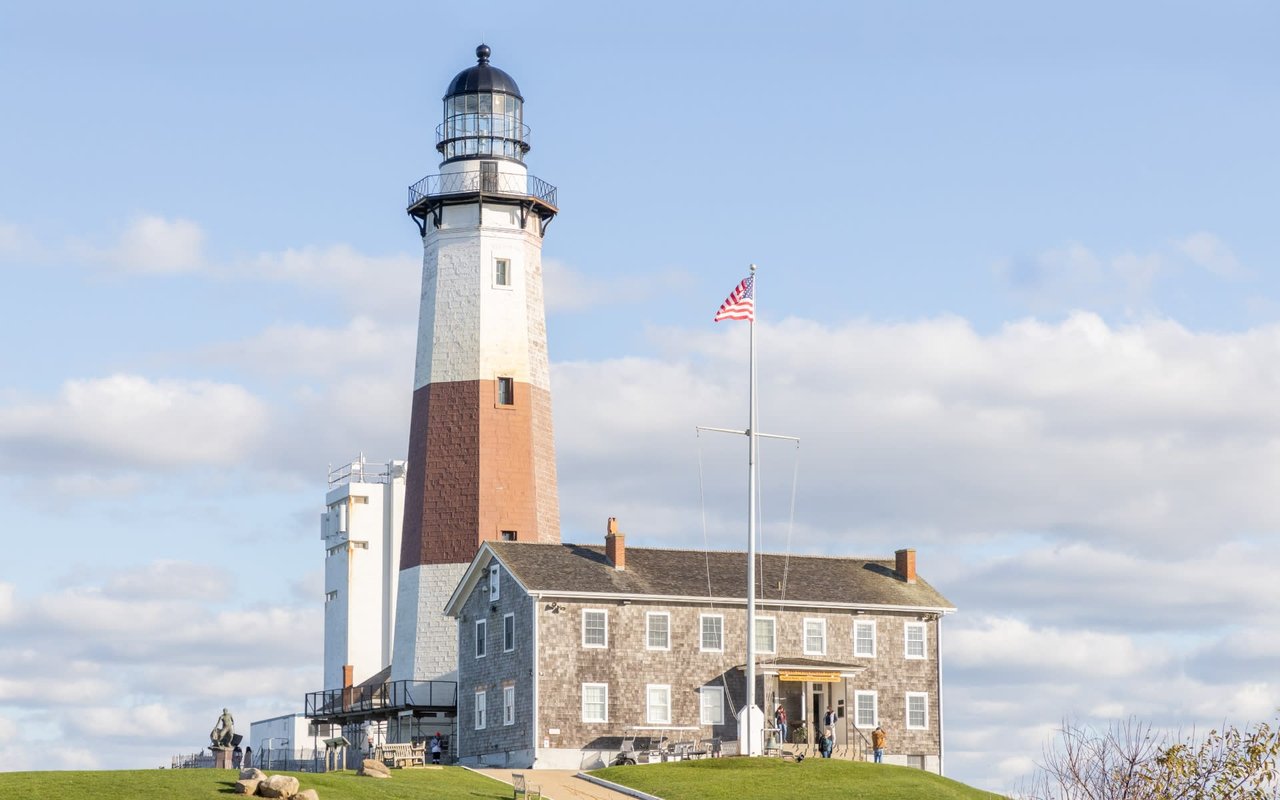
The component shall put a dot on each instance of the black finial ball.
(482, 54)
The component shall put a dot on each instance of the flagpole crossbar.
(748, 433)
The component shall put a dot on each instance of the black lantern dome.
(483, 115)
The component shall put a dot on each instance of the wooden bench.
(522, 790)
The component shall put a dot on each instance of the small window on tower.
(506, 392)
(502, 272)
(508, 536)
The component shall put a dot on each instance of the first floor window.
(595, 628)
(482, 628)
(815, 637)
(658, 630)
(766, 635)
(864, 639)
(658, 705)
(508, 705)
(712, 632)
(917, 710)
(480, 704)
(915, 640)
(711, 699)
(865, 714)
(595, 702)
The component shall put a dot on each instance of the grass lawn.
(816, 778)
(450, 783)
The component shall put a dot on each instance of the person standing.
(236, 755)
(437, 745)
(780, 722)
(248, 757)
(878, 738)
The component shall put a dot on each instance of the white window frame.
(704, 693)
(773, 623)
(508, 624)
(508, 705)
(664, 707)
(481, 708)
(923, 697)
(605, 613)
(603, 686)
(865, 623)
(857, 709)
(495, 582)
(924, 640)
(648, 630)
(702, 636)
(821, 621)
(482, 638)
(497, 273)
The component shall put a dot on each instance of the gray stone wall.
(497, 743)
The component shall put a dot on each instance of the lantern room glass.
(483, 125)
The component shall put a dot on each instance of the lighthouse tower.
(481, 460)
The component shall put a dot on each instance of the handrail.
(382, 697)
(460, 183)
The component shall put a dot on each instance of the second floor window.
(712, 632)
(864, 639)
(482, 630)
(815, 637)
(915, 640)
(595, 628)
(508, 633)
(658, 630)
(766, 635)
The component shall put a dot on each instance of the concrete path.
(558, 784)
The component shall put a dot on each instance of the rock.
(278, 786)
(307, 794)
(372, 768)
(252, 775)
(247, 786)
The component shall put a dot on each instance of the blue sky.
(1018, 291)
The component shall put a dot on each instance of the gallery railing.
(461, 183)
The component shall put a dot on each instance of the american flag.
(740, 304)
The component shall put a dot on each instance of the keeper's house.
(563, 647)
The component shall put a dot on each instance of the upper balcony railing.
(461, 183)
(383, 698)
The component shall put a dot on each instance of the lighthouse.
(481, 459)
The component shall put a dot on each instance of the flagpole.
(754, 719)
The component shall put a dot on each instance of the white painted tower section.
(427, 638)
(361, 528)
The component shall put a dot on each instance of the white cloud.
(378, 286)
(1211, 253)
(364, 345)
(156, 245)
(128, 419)
(568, 290)
(6, 602)
(1015, 648)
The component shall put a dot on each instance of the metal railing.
(361, 471)
(456, 183)
(389, 696)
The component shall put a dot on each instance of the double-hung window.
(917, 710)
(815, 637)
(711, 702)
(657, 704)
(595, 702)
(595, 628)
(915, 643)
(712, 639)
(864, 639)
(766, 635)
(866, 715)
(508, 705)
(657, 634)
(480, 708)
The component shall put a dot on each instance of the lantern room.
(483, 115)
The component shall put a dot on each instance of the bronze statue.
(223, 732)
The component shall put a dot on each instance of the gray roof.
(575, 568)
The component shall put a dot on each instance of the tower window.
(502, 272)
(508, 536)
(488, 173)
(506, 392)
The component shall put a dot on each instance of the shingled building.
(562, 648)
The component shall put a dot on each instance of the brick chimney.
(906, 565)
(615, 545)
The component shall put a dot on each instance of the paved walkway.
(559, 784)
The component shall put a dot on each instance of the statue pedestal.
(221, 757)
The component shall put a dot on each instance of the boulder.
(246, 786)
(372, 768)
(278, 786)
(307, 794)
(252, 775)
